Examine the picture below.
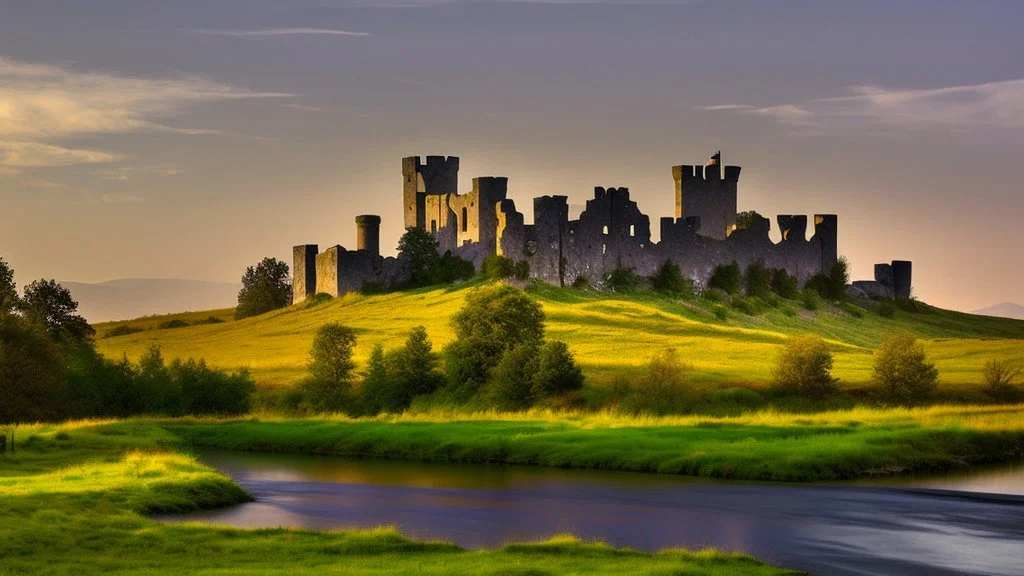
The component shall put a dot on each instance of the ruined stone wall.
(438, 176)
(702, 192)
(303, 271)
(340, 271)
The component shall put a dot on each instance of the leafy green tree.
(382, 390)
(418, 249)
(8, 290)
(33, 385)
(512, 381)
(211, 392)
(418, 365)
(450, 268)
(331, 368)
(804, 366)
(727, 277)
(784, 285)
(622, 280)
(758, 280)
(669, 280)
(50, 305)
(902, 370)
(265, 287)
(663, 387)
(557, 371)
(497, 267)
(494, 319)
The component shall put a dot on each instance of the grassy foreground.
(74, 499)
(764, 446)
(610, 335)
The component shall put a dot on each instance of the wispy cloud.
(271, 32)
(42, 105)
(120, 199)
(991, 104)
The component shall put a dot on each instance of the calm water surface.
(957, 524)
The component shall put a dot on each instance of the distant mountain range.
(1005, 310)
(133, 297)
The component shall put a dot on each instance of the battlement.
(793, 227)
(710, 173)
(600, 193)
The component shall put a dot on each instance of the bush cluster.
(497, 267)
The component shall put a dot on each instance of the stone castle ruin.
(610, 233)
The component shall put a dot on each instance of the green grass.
(764, 446)
(610, 334)
(74, 500)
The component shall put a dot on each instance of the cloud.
(991, 104)
(7, 172)
(271, 32)
(120, 199)
(42, 104)
(15, 154)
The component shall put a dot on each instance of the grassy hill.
(610, 334)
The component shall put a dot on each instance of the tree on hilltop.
(419, 248)
(265, 287)
(50, 306)
(8, 291)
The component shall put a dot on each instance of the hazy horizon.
(144, 139)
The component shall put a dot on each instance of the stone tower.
(439, 176)
(368, 233)
(303, 272)
(703, 192)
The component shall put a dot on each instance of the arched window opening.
(465, 219)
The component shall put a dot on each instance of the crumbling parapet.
(792, 227)
(368, 233)
(438, 176)
(826, 232)
(303, 272)
(901, 279)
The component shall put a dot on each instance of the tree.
(8, 290)
(557, 371)
(493, 320)
(512, 381)
(669, 280)
(727, 277)
(805, 367)
(745, 219)
(784, 285)
(32, 377)
(265, 287)
(50, 305)
(419, 249)
(622, 280)
(417, 364)
(832, 285)
(758, 280)
(663, 387)
(382, 391)
(331, 367)
(902, 371)
(1001, 379)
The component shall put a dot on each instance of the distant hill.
(134, 297)
(1004, 310)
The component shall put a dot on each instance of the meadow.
(74, 499)
(610, 334)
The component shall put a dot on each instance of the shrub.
(804, 366)
(123, 330)
(887, 310)
(663, 387)
(851, 310)
(669, 280)
(319, 298)
(331, 368)
(497, 267)
(788, 311)
(727, 277)
(557, 371)
(831, 285)
(171, 324)
(265, 287)
(758, 280)
(521, 270)
(581, 282)
(206, 391)
(450, 268)
(810, 299)
(1001, 379)
(209, 320)
(784, 285)
(902, 371)
(511, 385)
(744, 305)
(622, 280)
(372, 287)
(721, 313)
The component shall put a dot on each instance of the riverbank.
(74, 499)
(840, 445)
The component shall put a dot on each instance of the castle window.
(632, 230)
(465, 218)
(604, 249)
(433, 226)
(605, 231)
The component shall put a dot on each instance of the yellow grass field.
(610, 334)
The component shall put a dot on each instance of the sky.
(189, 139)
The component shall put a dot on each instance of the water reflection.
(852, 529)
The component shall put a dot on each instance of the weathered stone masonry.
(610, 233)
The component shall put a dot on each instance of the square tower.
(704, 192)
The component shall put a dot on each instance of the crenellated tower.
(438, 176)
(705, 192)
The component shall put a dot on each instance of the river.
(953, 525)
